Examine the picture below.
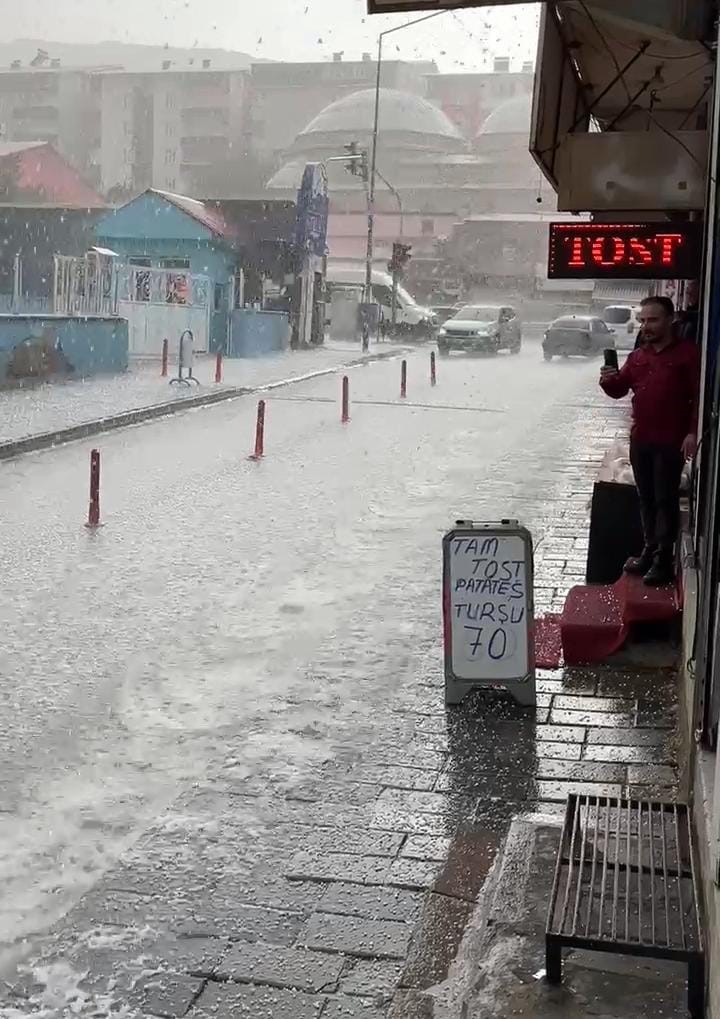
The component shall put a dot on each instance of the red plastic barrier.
(218, 366)
(345, 400)
(403, 380)
(433, 371)
(163, 370)
(94, 507)
(259, 432)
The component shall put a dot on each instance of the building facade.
(469, 99)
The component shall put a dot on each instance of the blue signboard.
(312, 211)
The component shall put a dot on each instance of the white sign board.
(488, 609)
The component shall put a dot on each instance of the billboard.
(312, 211)
(624, 251)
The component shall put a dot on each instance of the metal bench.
(626, 882)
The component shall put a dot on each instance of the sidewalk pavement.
(47, 408)
(404, 872)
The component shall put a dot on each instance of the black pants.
(657, 471)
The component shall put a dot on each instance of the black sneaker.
(638, 566)
(660, 573)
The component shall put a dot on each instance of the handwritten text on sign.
(489, 606)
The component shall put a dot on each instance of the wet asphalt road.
(224, 597)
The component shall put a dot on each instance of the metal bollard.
(345, 400)
(403, 379)
(163, 370)
(218, 366)
(433, 371)
(93, 519)
(259, 433)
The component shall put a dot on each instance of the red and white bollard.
(403, 379)
(259, 433)
(218, 366)
(93, 519)
(433, 370)
(345, 400)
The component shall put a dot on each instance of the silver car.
(481, 327)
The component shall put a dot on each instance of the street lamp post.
(373, 164)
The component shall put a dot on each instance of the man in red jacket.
(664, 376)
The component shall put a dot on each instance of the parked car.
(577, 335)
(481, 327)
(622, 319)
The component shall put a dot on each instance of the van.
(347, 281)
(622, 319)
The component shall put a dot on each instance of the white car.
(481, 327)
(622, 319)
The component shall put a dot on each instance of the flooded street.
(237, 619)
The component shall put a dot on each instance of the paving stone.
(275, 966)
(413, 874)
(169, 995)
(369, 939)
(561, 733)
(435, 941)
(230, 1001)
(469, 861)
(342, 1006)
(580, 771)
(449, 805)
(611, 719)
(388, 818)
(559, 751)
(372, 978)
(627, 737)
(424, 847)
(374, 903)
(401, 757)
(239, 921)
(628, 754)
(651, 774)
(559, 791)
(400, 778)
(577, 703)
(338, 867)
(355, 843)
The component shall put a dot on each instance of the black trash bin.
(615, 531)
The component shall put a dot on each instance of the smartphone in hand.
(610, 358)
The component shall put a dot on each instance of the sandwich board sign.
(488, 609)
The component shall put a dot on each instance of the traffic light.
(400, 257)
(352, 164)
(364, 170)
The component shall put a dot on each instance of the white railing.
(85, 285)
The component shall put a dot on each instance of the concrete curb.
(46, 440)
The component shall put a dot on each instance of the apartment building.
(171, 129)
(50, 103)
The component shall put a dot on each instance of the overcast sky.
(281, 29)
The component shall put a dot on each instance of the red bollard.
(345, 400)
(93, 519)
(218, 366)
(163, 370)
(433, 372)
(403, 380)
(259, 433)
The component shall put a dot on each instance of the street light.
(373, 161)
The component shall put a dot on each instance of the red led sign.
(624, 251)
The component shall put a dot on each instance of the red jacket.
(665, 389)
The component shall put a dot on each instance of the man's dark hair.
(664, 302)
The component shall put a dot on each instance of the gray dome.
(511, 117)
(399, 111)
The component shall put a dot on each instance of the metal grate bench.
(625, 882)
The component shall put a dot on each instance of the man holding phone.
(664, 377)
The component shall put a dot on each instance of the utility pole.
(373, 165)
